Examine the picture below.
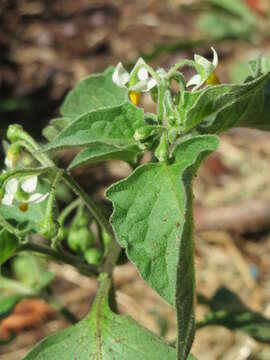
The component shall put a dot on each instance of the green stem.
(89, 203)
(178, 65)
(34, 146)
(87, 269)
(51, 199)
(68, 210)
(161, 93)
(32, 150)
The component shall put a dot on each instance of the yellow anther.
(135, 97)
(23, 207)
(213, 79)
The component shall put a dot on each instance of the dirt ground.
(45, 48)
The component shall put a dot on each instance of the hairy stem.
(87, 269)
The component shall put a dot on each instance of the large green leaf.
(229, 311)
(97, 91)
(218, 108)
(8, 245)
(103, 152)
(103, 335)
(111, 126)
(153, 220)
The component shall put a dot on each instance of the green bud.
(162, 151)
(14, 132)
(73, 240)
(80, 239)
(146, 131)
(49, 228)
(82, 220)
(154, 94)
(93, 256)
(172, 134)
(14, 149)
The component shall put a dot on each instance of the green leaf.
(102, 152)
(221, 27)
(8, 303)
(8, 245)
(238, 8)
(229, 311)
(153, 220)
(103, 335)
(97, 91)
(218, 108)
(111, 126)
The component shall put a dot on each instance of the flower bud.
(93, 256)
(144, 132)
(14, 132)
(48, 228)
(162, 151)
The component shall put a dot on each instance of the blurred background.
(47, 46)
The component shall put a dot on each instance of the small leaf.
(103, 335)
(102, 152)
(229, 311)
(8, 245)
(153, 220)
(218, 108)
(8, 303)
(111, 126)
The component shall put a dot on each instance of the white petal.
(7, 199)
(134, 72)
(202, 61)
(150, 84)
(12, 186)
(120, 76)
(215, 57)
(37, 198)
(30, 184)
(194, 80)
(144, 85)
(143, 74)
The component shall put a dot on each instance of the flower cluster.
(137, 81)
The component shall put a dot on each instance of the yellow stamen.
(135, 97)
(213, 79)
(23, 207)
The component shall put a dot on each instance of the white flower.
(206, 68)
(137, 80)
(26, 188)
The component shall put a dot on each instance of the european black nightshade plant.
(152, 217)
